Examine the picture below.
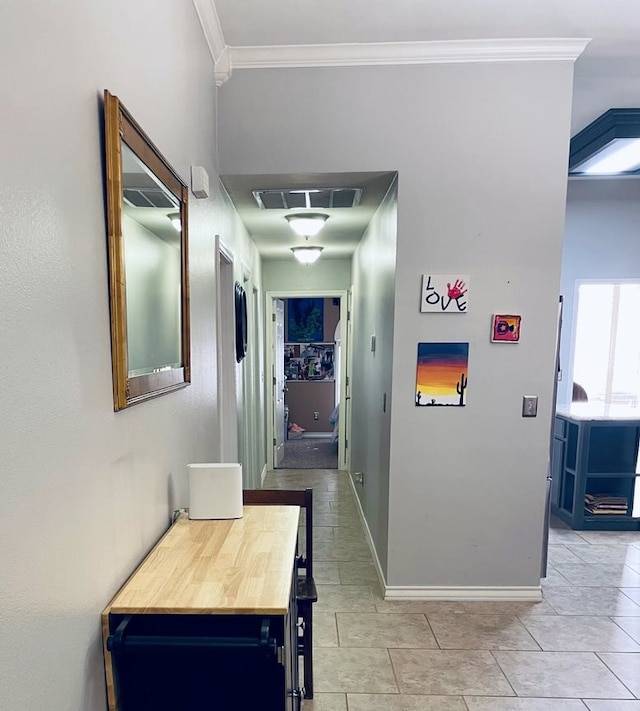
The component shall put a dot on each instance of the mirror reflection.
(151, 229)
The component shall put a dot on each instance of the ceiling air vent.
(317, 198)
(139, 190)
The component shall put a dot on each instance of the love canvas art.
(445, 293)
(441, 377)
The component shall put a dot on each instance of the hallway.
(310, 453)
(579, 649)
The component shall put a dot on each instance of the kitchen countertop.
(598, 411)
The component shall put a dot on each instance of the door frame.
(257, 387)
(348, 368)
(278, 382)
(270, 365)
(225, 358)
(247, 371)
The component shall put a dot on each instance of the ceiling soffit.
(345, 226)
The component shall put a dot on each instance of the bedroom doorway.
(308, 368)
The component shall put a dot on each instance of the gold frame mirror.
(147, 225)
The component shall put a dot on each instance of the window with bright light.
(607, 344)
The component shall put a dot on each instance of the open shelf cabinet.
(594, 456)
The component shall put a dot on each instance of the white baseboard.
(263, 475)
(467, 593)
(367, 535)
(505, 593)
(316, 435)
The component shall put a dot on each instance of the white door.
(278, 382)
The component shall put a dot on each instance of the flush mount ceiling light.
(307, 224)
(608, 146)
(306, 255)
(174, 218)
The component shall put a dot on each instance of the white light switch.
(529, 405)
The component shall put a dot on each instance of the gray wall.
(374, 264)
(86, 491)
(467, 485)
(481, 154)
(290, 275)
(602, 241)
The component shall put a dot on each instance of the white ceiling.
(607, 74)
(285, 22)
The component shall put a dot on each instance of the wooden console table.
(208, 620)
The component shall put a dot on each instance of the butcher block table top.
(219, 567)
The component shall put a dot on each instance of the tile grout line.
(504, 674)
(634, 697)
(393, 669)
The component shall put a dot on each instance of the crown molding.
(398, 53)
(222, 70)
(459, 51)
(210, 23)
(227, 58)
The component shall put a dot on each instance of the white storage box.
(215, 490)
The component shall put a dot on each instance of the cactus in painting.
(461, 386)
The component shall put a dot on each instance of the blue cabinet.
(592, 457)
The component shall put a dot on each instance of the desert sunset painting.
(441, 377)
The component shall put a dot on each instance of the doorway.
(309, 362)
(309, 380)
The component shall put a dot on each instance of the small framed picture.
(505, 328)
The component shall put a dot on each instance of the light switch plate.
(529, 405)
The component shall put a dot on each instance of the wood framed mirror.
(147, 225)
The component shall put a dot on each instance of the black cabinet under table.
(208, 621)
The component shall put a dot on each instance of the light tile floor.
(577, 650)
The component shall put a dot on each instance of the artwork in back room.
(445, 293)
(305, 320)
(505, 328)
(441, 377)
(308, 361)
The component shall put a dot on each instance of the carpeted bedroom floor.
(310, 453)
